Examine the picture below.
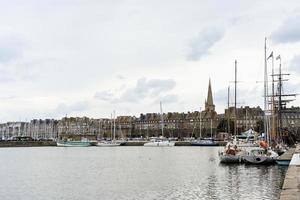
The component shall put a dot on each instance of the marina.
(149, 100)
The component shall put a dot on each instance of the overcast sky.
(90, 57)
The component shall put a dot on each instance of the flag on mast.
(278, 57)
(270, 56)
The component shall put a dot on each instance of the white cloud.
(167, 99)
(72, 108)
(104, 95)
(11, 48)
(288, 31)
(151, 88)
(200, 45)
(295, 64)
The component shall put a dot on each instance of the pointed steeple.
(209, 104)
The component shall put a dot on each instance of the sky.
(90, 57)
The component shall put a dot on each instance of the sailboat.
(113, 142)
(232, 153)
(204, 141)
(160, 141)
(263, 154)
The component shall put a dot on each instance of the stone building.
(12, 129)
(124, 126)
(42, 129)
(247, 117)
(291, 117)
(84, 127)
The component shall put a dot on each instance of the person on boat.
(264, 144)
(230, 151)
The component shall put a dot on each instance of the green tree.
(259, 126)
(223, 126)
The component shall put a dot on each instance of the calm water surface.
(131, 173)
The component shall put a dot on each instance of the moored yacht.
(232, 154)
(204, 142)
(260, 156)
(73, 143)
(113, 142)
(159, 142)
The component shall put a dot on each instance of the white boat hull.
(260, 156)
(160, 144)
(108, 144)
(259, 159)
(73, 144)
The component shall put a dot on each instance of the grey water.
(131, 173)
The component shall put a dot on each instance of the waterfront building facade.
(247, 118)
(42, 129)
(13, 129)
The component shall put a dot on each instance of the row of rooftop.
(149, 124)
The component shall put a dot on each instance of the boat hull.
(250, 159)
(108, 144)
(73, 144)
(160, 144)
(230, 159)
(204, 142)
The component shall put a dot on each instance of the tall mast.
(130, 127)
(228, 113)
(235, 113)
(162, 119)
(282, 98)
(200, 125)
(279, 99)
(274, 132)
(111, 126)
(114, 125)
(99, 128)
(265, 92)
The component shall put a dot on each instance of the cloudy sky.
(90, 57)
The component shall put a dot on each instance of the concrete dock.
(287, 156)
(291, 185)
(26, 143)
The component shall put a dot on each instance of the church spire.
(209, 105)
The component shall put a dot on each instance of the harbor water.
(131, 173)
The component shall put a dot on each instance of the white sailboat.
(263, 154)
(160, 141)
(260, 156)
(232, 153)
(113, 142)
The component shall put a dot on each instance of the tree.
(259, 126)
(223, 126)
